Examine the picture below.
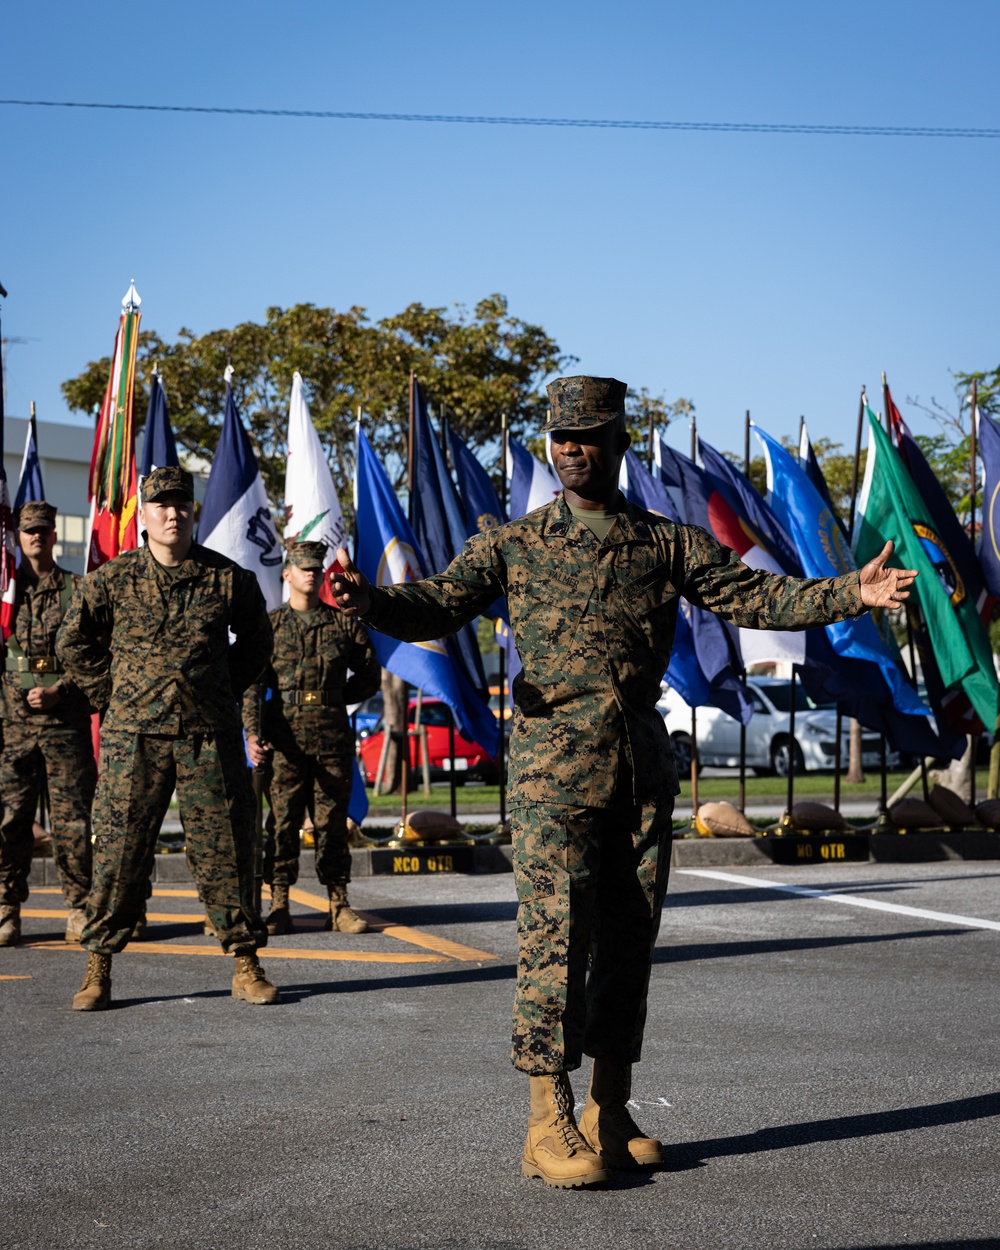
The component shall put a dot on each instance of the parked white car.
(769, 744)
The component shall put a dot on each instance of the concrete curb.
(803, 849)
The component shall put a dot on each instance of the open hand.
(885, 587)
(350, 587)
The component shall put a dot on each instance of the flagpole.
(502, 667)
(973, 485)
(743, 671)
(855, 736)
(649, 445)
(694, 713)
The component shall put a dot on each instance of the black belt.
(311, 698)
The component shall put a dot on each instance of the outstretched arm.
(432, 608)
(885, 587)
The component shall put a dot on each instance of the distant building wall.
(64, 451)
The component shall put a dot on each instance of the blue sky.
(769, 272)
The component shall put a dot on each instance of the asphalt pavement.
(821, 1060)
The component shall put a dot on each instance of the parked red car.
(471, 761)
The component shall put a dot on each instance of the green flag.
(890, 506)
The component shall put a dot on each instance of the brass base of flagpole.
(782, 826)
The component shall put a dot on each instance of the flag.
(480, 502)
(159, 451)
(725, 503)
(312, 505)
(703, 668)
(7, 583)
(439, 527)
(113, 493)
(740, 518)
(810, 467)
(387, 552)
(942, 514)
(235, 517)
(890, 506)
(532, 483)
(483, 511)
(823, 552)
(29, 486)
(989, 545)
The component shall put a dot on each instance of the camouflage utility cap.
(306, 555)
(36, 515)
(583, 403)
(171, 478)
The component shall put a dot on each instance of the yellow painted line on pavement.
(268, 952)
(163, 917)
(402, 933)
(444, 948)
(13, 978)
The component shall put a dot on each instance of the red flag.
(113, 491)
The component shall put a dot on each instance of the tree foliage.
(476, 365)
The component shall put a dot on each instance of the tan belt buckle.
(311, 696)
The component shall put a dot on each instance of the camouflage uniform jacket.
(154, 649)
(316, 657)
(38, 613)
(594, 624)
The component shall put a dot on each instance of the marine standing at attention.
(147, 639)
(47, 738)
(322, 661)
(593, 585)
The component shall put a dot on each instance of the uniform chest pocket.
(652, 590)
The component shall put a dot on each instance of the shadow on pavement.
(453, 976)
(846, 1128)
(775, 946)
(447, 913)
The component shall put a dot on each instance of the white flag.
(312, 507)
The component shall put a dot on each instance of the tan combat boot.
(554, 1150)
(10, 924)
(279, 919)
(75, 922)
(607, 1124)
(250, 984)
(343, 917)
(95, 992)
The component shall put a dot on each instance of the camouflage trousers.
(590, 886)
(63, 761)
(300, 780)
(138, 774)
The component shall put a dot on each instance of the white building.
(64, 452)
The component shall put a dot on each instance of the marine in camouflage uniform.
(322, 660)
(47, 738)
(147, 639)
(593, 586)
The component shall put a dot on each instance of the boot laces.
(97, 967)
(570, 1137)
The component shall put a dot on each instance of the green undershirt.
(599, 522)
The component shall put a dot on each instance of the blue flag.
(159, 451)
(810, 467)
(532, 483)
(483, 511)
(440, 529)
(704, 665)
(387, 552)
(29, 486)
(236, 517)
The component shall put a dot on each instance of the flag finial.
(131, 300)
(228, 375)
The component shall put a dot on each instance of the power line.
(594, 123)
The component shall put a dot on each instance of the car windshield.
(781, 697)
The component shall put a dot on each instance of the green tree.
(476, 365)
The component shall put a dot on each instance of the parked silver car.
(769, 743)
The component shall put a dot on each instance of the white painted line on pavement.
(851, 900)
